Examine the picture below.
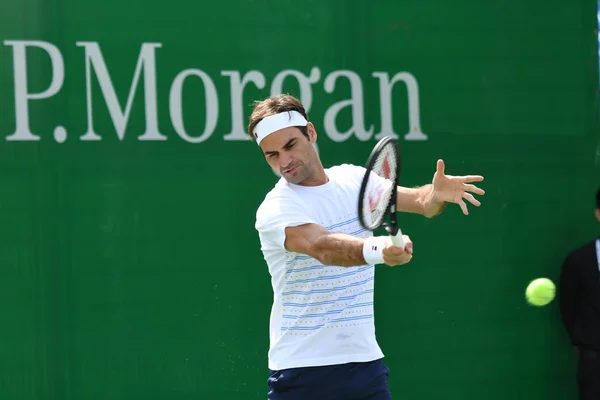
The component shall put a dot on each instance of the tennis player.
(322, 262)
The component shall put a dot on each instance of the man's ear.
(598, 214)
(312, 133)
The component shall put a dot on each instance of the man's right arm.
(282, 222)
(327, 247)
(340, 249)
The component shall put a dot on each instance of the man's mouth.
(290, 171)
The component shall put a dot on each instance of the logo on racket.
(379, 193)
(374, 198)
(386, 168)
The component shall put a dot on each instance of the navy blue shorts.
(352, 381)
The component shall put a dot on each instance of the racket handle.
(398, 240)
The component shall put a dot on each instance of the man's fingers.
(399, 251)
(397, 255)
(396, 251)
(471, 178)
(472, 199)
(440, 167)
(463, 207)
(473, 188)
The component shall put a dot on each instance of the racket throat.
(392, 230)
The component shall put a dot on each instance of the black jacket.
(579, 296)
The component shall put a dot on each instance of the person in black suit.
(579, 297)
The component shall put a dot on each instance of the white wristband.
(373, 249)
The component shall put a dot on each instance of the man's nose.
(285, 160)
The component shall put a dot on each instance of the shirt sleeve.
(274, 215)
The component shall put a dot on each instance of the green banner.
(130, 266)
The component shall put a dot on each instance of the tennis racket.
(378, 190)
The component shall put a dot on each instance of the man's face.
(291, 153)
(598, 214)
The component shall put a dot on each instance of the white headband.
(276, 122)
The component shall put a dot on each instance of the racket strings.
(379, 189)
(385, 165)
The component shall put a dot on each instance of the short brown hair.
(275, 105)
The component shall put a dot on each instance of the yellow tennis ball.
(540, 292)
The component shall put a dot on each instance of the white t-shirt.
(321, 315)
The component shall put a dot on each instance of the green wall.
(129, 264)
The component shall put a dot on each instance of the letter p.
(22, 94)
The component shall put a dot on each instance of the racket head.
(378, 190)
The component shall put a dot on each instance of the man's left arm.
(431, 199)
(420, 200)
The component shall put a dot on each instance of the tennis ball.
(540, 292)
